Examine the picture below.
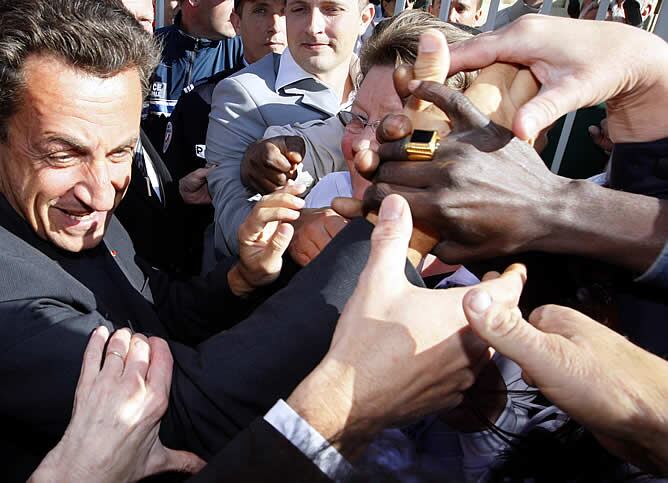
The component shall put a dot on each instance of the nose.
(277, 24)
(95, 189)
(317, 23)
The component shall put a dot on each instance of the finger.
(493, 275)
(295, 148)
(258, 220)
(414, 174)
(279, 242)
(567, 322)
(366, 162)
(347, 207)
(138, 357)
(432, 64)
(274, 155)
(270, 179)
(179, 461)
(92, 360)
(476, 53)
(116, 351)
(159, 374)
(422, 203)
(459, 109)
(393, 127)
(402, 75)
(550, 104)
(389, 241)
(502, 328)
(292, 188)
(264, 186)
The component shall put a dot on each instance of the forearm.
(325, 400)
(621, 228)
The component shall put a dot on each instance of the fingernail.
(414, 84)
(480, 302)
(530, 126)
(391, 209)
(428, 43)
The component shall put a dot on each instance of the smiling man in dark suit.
(70, 101)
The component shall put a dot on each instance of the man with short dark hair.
(200, 43)
(71, 92)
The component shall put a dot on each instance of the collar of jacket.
(192, 42)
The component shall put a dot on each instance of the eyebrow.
(76, 145)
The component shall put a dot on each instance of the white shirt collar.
(289, 71)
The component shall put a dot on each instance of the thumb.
(503, 328)
(432, 64)
(549, 105)
(180, 461)
(389, 241)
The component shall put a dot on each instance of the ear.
(235, 19)
(366, 17)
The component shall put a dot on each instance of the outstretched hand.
(612, 387)
(613, 62)
(486, 193)
(398, 351)
(264, 237)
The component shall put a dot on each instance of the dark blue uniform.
(185, 61)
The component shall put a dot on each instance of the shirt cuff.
(657, 274)
(309, 441)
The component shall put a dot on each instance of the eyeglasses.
(354, 123)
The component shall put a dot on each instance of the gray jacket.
(244, 106)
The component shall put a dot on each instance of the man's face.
(322, 33)
(68, 158)
(216, 15)
(142, 11)
(465, 12)
(376, 98)
(262, 27)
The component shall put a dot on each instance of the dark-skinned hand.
(486, 193)
(269, 163)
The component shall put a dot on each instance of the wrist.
(580, 222)
(326, 400)
(239, 284)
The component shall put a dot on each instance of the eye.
(260, 11)
(122, 155)
(62, 159)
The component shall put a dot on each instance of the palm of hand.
(256, 256)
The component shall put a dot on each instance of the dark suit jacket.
(51, 300)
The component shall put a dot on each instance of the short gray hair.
(99, 37)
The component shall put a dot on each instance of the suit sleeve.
(223, 384)
(260, 453)
(234, 123)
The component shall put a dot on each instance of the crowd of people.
(314, 240)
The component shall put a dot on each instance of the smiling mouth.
(78, 216)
